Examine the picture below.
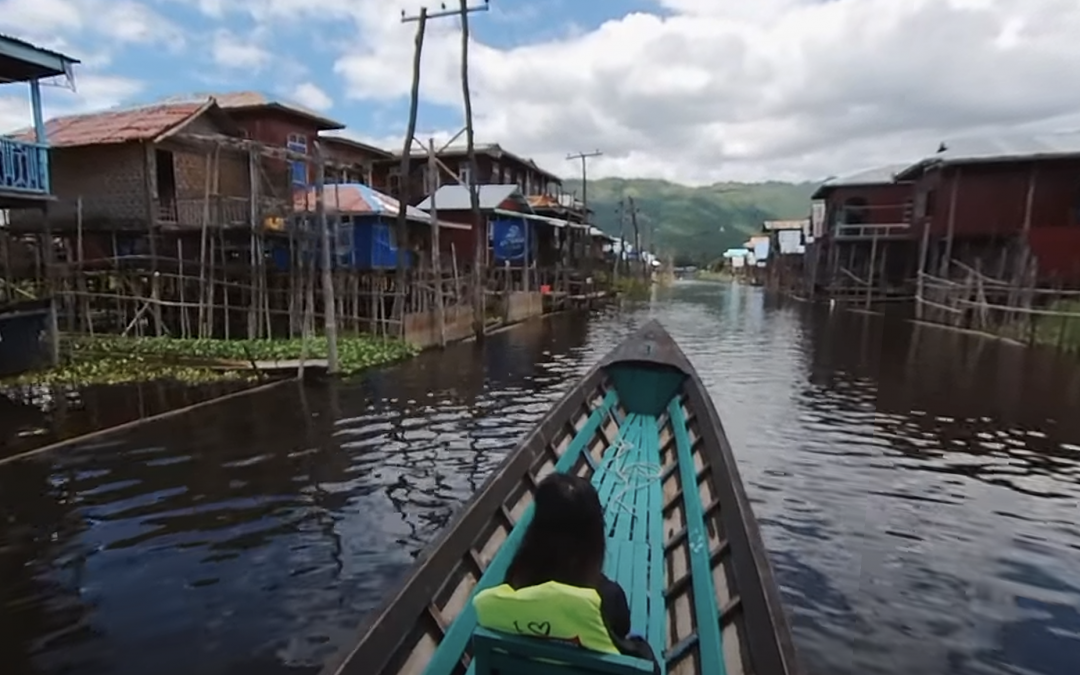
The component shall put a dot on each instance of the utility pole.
(479, 228)
(584, 157)
(402, 225)
(637, 237)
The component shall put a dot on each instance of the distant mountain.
(695, 224)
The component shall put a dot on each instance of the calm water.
(918, 492)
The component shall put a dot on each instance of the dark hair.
(565, 540)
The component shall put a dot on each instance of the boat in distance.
(682, 540)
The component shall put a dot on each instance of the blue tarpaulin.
(509, 239)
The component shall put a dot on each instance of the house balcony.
(871, 231)
(24, 171)
(24, 157)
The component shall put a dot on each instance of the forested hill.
(696, 224)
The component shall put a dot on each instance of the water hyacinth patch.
(112, 359)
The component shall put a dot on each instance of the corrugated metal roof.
(340, 136)
(239, 100)
(1007, 147)
(878, 175)
(357, 199)
(493, 150)
(457, 197)
(114, 126)
(543, 202)
(1010, 147)
(30, 45)
(881, 175)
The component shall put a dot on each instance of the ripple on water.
(919, 516)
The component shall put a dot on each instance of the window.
(393, 180)
(297, 169)
(464, 174)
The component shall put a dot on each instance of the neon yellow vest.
(550, 610)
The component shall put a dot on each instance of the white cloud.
(91, 29)
(93, 92)
(39, 18)
(233, 52)
(310, 95)
(722, 89)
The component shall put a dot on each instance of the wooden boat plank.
(616, 505)
(705, 610)
(657, 565)
(604, 478)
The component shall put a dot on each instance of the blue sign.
(509, 239)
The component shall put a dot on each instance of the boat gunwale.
(756, 581)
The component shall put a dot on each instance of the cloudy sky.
(694, 91)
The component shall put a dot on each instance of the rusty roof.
(115, 126)
(544, 202)
(248, 100)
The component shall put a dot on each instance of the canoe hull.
(707, 567)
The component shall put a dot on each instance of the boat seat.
(496, 653)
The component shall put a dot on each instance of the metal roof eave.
(50, 63)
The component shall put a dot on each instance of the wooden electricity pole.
(584, 157)
(479, 227)
(637, 237)
(402, 226)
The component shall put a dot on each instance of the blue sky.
(694, 91)
(187, 46)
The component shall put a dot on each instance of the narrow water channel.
(918, 492)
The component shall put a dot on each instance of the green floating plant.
(115, 360)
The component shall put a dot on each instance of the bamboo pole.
(480, 245)
(920, 281)
(870, 271)
(203, 243)
(329, 304)
(436, 248)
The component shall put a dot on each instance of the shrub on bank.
(1061, 331)
(634, 288)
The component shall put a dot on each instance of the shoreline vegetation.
(111, 359)
(632, 287)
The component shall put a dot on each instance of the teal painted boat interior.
(629, 479)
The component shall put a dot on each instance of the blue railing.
(24, 167)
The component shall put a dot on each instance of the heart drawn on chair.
(540, 628)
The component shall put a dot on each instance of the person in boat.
(555, 587)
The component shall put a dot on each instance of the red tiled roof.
(114, 126)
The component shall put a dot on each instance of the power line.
(444, 12)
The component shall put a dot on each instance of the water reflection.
(917, 490)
